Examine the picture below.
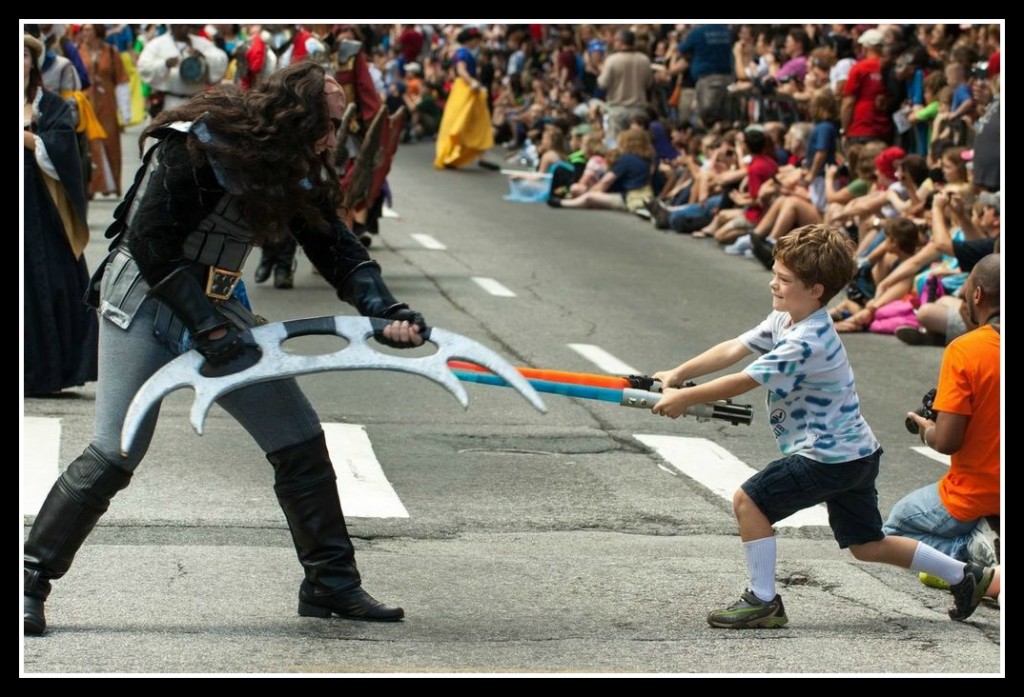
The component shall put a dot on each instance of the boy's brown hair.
(818, 254)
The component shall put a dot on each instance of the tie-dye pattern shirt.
(813, 406)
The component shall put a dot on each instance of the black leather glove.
(220, 351)
(231, 353)
(399, 313)
(181, 292)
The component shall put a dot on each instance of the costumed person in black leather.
(288, 44)
(228, 170)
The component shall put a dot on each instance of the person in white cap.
(863, 116)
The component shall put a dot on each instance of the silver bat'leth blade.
(275, 363)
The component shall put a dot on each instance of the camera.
(924, 411)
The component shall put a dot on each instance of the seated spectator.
(731, 223)
(719, 175)
(552, 148)
(790, 75)
(821, 145)
(857, 312)
(596, 164)
(424, 110)
(819, 66)
(627, 184)
(941, 320)
(953, 165)
(776, 132)
(860, 171)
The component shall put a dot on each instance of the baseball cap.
(989, 199)
(597, 45)
(872, 37)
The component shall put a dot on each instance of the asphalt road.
(561, 543)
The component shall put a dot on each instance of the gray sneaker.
(750, 612)
(969, 592)
(980, 549)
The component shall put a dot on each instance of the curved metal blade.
(275, 363)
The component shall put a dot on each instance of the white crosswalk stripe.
(932, 454)
(40, 453)
(604, 360)
(428, 241)
(719, 470)
(365, 491)
(493, 287)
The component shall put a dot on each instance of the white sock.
(932, 561)
(761, 564)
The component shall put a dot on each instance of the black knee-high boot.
(75, 503)
(304, 482)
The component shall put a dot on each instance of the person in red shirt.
(864, 115)
(410, 45)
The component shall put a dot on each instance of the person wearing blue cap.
(593, 58)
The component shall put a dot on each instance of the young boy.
(829, 453)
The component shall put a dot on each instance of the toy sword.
(274, 363)
(638, 391)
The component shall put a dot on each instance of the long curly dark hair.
(266, 137)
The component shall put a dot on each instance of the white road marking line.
(493, 287)
(365, 491)
(39, 460)
(427, 241)
(933, 454)
(719, 470)
(603, 360)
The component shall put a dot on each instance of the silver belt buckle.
(220, 283)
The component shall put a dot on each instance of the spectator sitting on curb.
(627, 184)
(942, 320)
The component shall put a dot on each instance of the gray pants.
(276, 414)
(619, 118)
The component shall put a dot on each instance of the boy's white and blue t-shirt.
(813, 405)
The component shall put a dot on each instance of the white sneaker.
(740, 246)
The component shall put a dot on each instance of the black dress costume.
(61, 331)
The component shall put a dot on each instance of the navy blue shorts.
(794, 483)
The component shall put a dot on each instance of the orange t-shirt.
(969, 385)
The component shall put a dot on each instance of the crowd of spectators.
(743, 133)
(735, 133)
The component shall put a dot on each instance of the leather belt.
(220, 283)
